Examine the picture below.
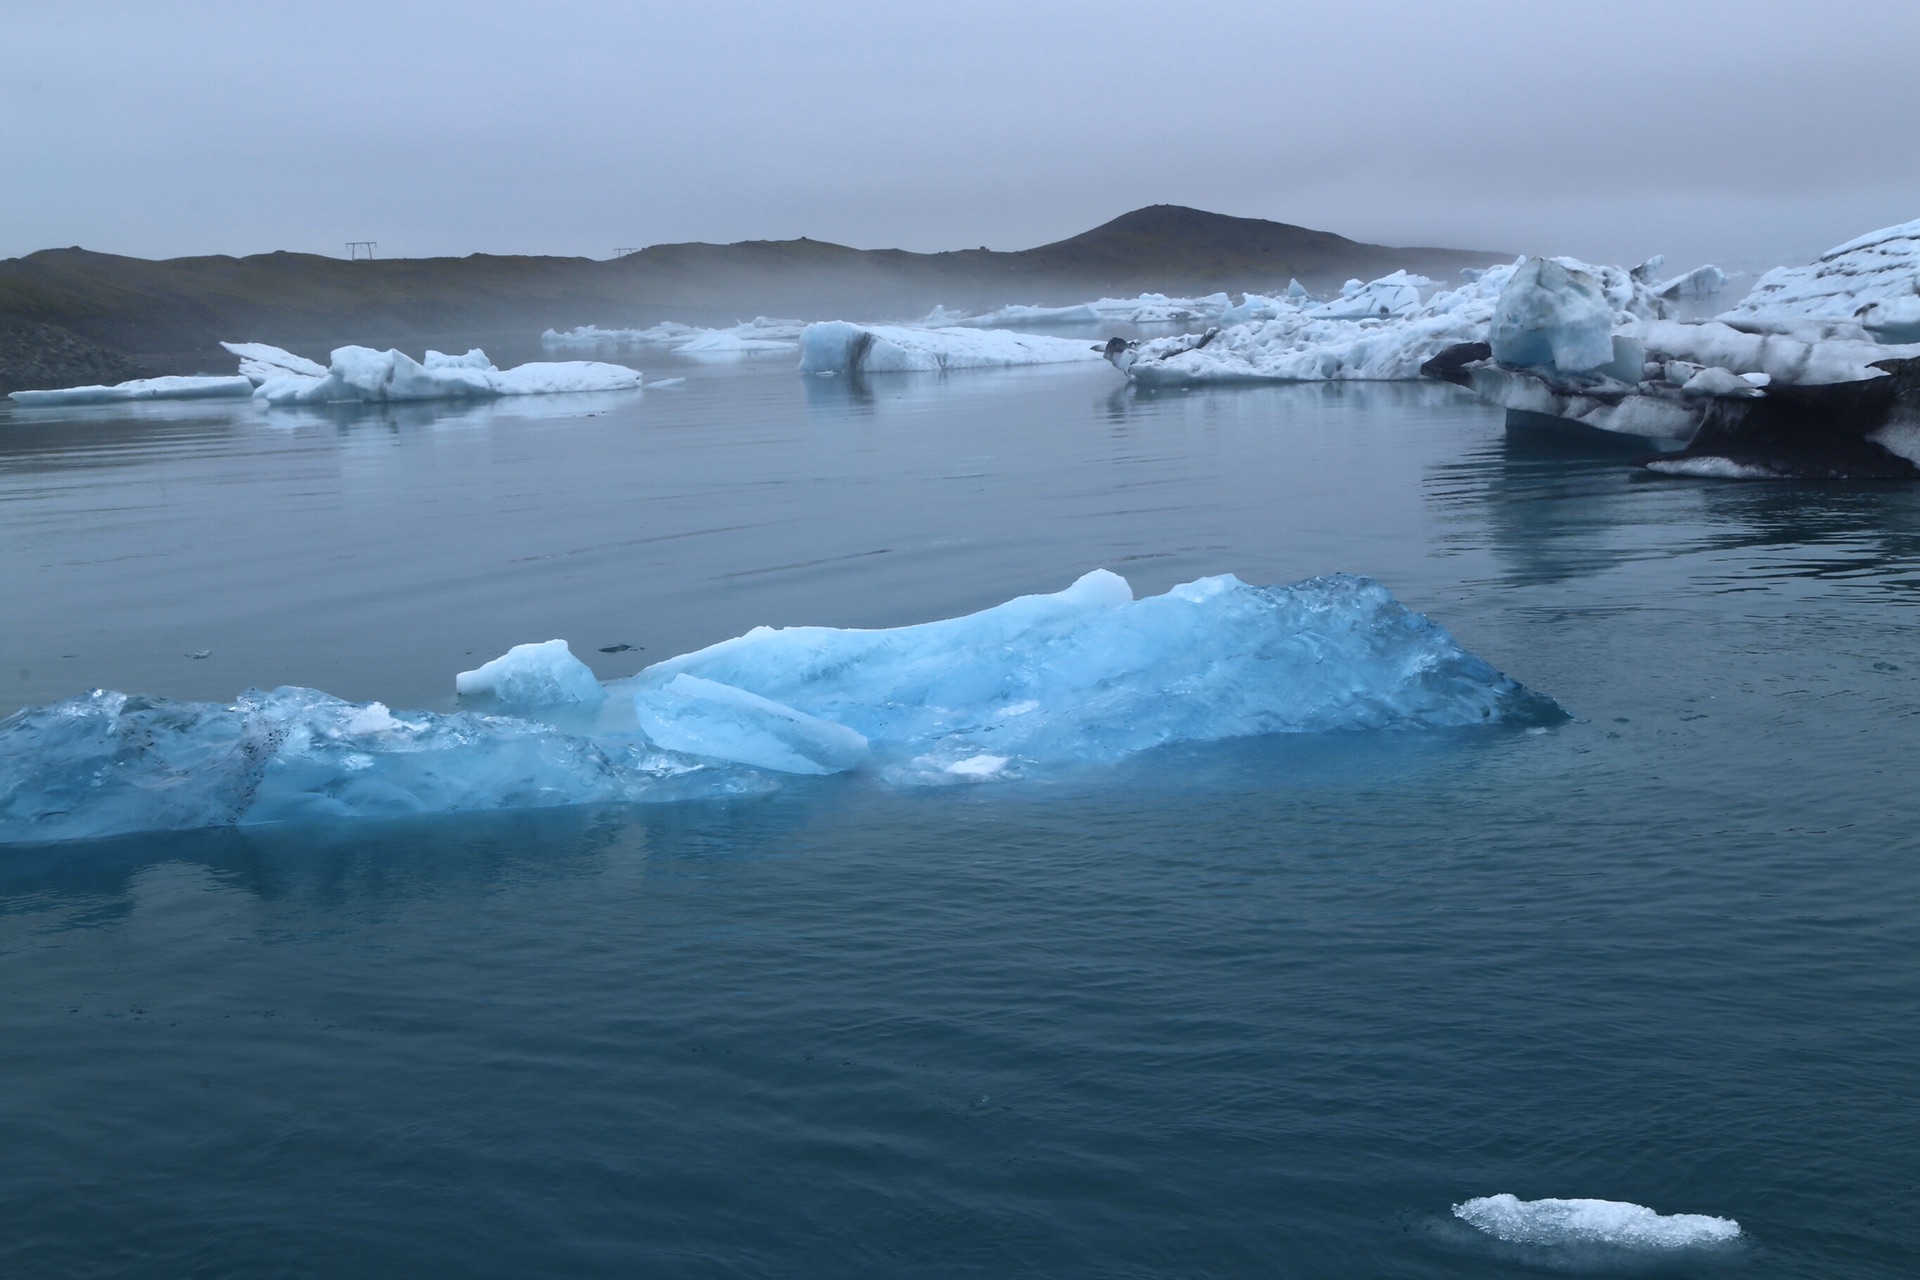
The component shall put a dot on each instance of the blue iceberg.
(1042, 682)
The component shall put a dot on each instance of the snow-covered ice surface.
(172, 387)
(1868, 287)
(837, 346)
(1287, 340)
(363, 375)
(1084, 675)
(529, 677)
(1611, 1223)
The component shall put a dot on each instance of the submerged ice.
(1084, 675)
(1592, 1222)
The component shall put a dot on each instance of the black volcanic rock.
(36, 356)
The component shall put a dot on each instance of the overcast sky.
(1762, 129)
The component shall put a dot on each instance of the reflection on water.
(1555, 500)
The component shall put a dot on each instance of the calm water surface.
(1256, 1009)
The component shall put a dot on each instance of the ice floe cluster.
(1084, 675)
(1793, 383)
(361, 374)
(1607, 1223)
(356, 375)
(1379, 330)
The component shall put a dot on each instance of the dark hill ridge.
(171, 314)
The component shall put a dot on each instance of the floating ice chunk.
(1593, 1222)
(530, 676)
(1091, 674)
(1711, 467)
(558, 376)
(1083, 675)
(718, 721)
(363, 374)
(1869, 286)
(1553, 315)
(167, 388)
(260, 363)
(836, 346)
(1300, 345)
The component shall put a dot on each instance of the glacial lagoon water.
(1270, 1007)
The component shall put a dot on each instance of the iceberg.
(837, 346)
(167, 388)
(528, 677)
(361, 374)
(1080, 676)
(1091, 674)
(1802, 380)
(1868, 287)
(1593, 1222)
(1291, 339)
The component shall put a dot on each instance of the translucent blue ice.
(1084, 675)
(1091, 674)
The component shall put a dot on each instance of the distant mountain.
(171, 314)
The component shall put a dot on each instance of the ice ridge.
(1041, 682)
(1593, 1222)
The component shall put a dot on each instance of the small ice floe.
(1867, 287)
(168, 388)
(1610, 1223)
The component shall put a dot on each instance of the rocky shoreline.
(35, 357)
